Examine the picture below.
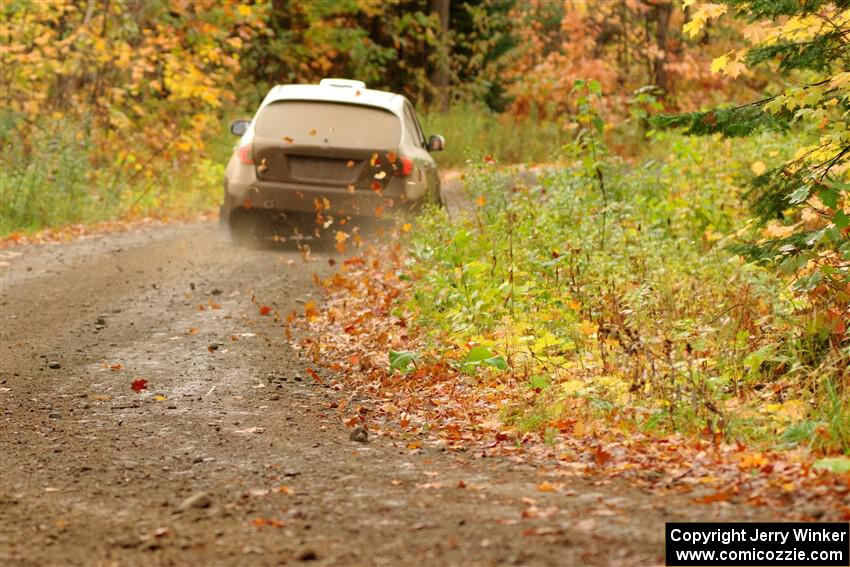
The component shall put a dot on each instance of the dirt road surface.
(231, 455)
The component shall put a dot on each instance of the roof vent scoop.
(347, 83)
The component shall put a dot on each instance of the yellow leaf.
(791, 411)
(406, 227)
(545, 487)
(587, 328)
(758, 167)
(160, 398)
(701, 16)
(754, 461)
(693, 28)
(734, 68)
(776, 230)
(571, 387)
(244, 10)
(719, 63)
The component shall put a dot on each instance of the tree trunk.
(662, 12)
(440, 73)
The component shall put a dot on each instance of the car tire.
(246, 229)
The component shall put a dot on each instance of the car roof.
(349, 93)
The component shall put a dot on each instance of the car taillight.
(404, 168)
(245, 154)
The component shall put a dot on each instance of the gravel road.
(231, 455)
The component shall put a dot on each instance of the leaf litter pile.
(362, 338)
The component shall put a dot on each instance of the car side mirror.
(239, 127)
(436, 143)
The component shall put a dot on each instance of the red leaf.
(315, 375)
(265, 310)
(139, 385)
(601, 456)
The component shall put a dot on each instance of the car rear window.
(334, 124)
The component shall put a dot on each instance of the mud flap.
(224, 232)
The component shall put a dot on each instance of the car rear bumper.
(330, 201)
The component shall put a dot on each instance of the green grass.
(472, 133)
(57, 180)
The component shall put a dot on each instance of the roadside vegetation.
(699, 291)
(624, 302)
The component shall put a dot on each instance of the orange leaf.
(315, 375)
(601, 456)
(754, 461)
(721, 496)
(260, 522)
(310, 310)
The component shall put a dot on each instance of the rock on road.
(230, 455)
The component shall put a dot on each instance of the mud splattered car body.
(336, 148)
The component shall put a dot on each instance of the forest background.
(104, 100)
